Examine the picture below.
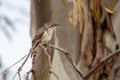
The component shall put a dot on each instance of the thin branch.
(101, 63)
(15, 75)
(49, 61)
(51, 71)
(27, 76)
(27, 56)
(33, 73)
(30, 53)
(4, 71)
(19, 75)
(32, 68)
(68, 57)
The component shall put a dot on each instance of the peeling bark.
(96, 42)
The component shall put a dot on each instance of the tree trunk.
(40, 13)
(85, 50)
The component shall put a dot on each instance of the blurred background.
(15, 39)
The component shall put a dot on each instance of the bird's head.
(50, 25)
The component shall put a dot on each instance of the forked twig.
(13, 65)
(14, 76)
(49, 61)
(19, 75)
(27, 56)
(33, 73)
(68, 57)
(32, 68)
(30, 53)
(101, 62)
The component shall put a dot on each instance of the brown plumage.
(45, 33)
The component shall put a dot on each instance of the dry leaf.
(64, 2)
(79, 14)
(73, 14)
(108, 10)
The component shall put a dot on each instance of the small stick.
(49, 61)
(13, 65)
(102, 63)
(68, 57)
(14, 76)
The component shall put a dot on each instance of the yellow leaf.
(108, 10)
(112, 4)
(70, 18)
(64, 2)
(79, 14)
(73, 14)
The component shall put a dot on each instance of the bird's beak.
(54, 24)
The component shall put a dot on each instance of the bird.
(45, 33)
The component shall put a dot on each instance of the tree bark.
(40, 13)
(94, 44)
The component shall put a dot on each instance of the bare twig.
(27, 56)
(101, 63)
(4, 71)
(19, 75)
(31, 71)
(15, 75)
(27, 76)
(32, 68)
(68, 57)
(28, 73)
(49, 61)
(30, 52)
